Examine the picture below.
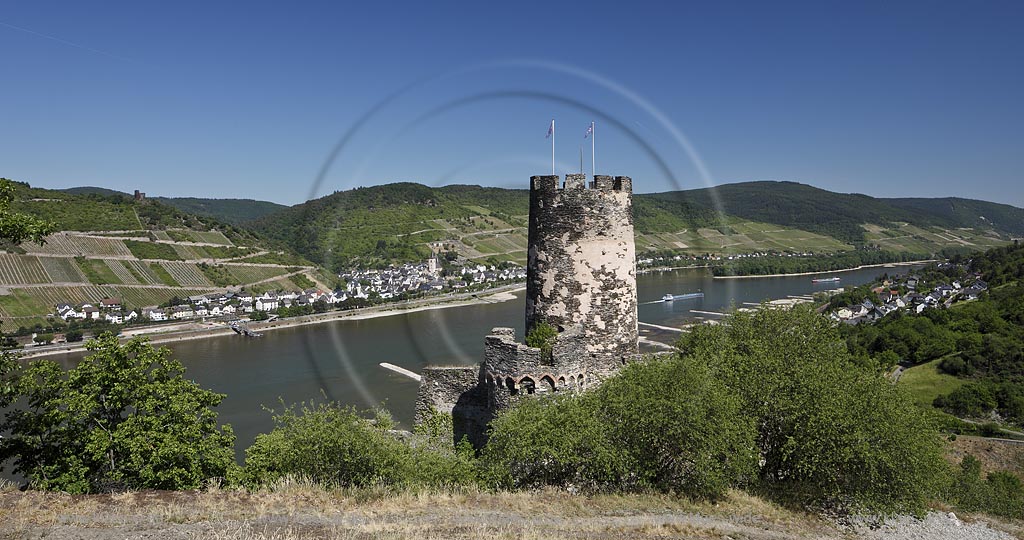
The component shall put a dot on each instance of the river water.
(340, 359)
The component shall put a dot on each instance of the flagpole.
(552, 147)
(593, 146)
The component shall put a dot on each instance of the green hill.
(403, 221)
(968, 212)
(233, 211)
(93, 190)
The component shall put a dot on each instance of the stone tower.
(581, 266)
(581, 280)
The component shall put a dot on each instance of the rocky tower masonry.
(581, 269)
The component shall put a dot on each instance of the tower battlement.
(553, 184)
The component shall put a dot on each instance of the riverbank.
(192, 331)
(861, 267)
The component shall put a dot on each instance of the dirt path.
(296, 512)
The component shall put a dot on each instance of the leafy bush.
(542, 336)
(124, 417)
(1000, 493)
(556, 441)
(666, 425)
(829, 431)
(335, 446)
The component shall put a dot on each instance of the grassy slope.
(925, 382)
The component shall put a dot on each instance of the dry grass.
(297, 509)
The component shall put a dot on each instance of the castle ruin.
(581, 280)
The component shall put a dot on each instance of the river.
(341, 359)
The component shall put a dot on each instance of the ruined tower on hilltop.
(581, 280)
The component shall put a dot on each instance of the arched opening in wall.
(528, 385)
(510, 383)
(572, 380)
(547, 384)
(561, 382)
(490, 381)
(581, 380)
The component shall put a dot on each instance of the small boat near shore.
(671, 297)
(826, 280)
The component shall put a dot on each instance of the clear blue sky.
(200, 99)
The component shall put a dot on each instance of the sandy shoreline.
(861, 267)
(219, 329)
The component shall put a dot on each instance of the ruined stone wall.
(512, 370)
(457, 391)
(581, 268)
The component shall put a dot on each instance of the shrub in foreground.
(124, 417)
(829, 431)
(335, 446)
(663, 425)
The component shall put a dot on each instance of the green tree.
(124, 417)
(829, 430)
(15, 227)
(542, 336)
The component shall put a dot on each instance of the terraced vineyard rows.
(284, 284)
(122, 273)
(25, 307)
(21, 270)
(190, 252)
(186, 274)
(62, 270)
(63, 244)
(138, 297)
(250, 274)
(144, 271)
(211, 237)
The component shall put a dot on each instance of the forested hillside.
(968, 213)
(233, 211)
(400, 222)
(843, 215)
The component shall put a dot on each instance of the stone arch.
(572, 381)
(547, 384)
(581, 380)
(561, 381)
(513, 388)
(528, 384)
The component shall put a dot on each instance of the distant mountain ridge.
(398, 221)
(233, 211)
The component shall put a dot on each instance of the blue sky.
(203, 99)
